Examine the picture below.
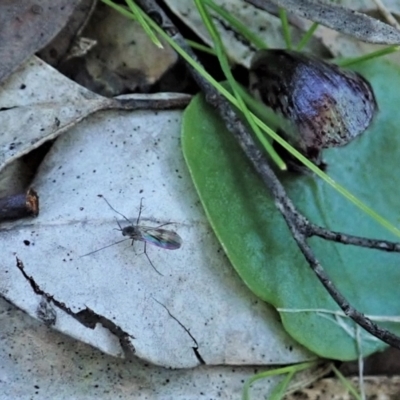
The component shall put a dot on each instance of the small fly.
(164, 238)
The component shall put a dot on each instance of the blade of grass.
(221, 54)
(278, 371)
(307, 36)
(285, 28)
(346, 383)
(280, 389)
(237, 25)
(365, 57)
(271, 119)
(201, 47)
(136, 11)
(121, 9)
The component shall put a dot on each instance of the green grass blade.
(219, 48)
(237, 25)
(346, 383)
(307, 36)
(201, 47)
(280, 389)
(378, 53)
(136, 11)
(285, 27)
(273, 372)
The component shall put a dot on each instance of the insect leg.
(119, 225)
(133, 245)
(155, 269)
(104, 247)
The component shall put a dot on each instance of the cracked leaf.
(126, 156)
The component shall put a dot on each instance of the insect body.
(163, 238)
(157, 236)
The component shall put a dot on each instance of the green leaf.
(259, 244)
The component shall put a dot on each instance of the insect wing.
(163, 238)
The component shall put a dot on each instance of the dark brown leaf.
(328, 106)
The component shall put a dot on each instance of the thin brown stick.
(383, 245)
(20, 205)
(159, 101)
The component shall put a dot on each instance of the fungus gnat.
(157, 236)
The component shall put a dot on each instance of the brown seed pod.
(327, 106)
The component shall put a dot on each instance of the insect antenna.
(112, 208)
(140, 211)
(104, 247)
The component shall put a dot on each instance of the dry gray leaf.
(339, 18)
(126, 156)
(266, 26)
(37, 362)
(370, 5)
(37, 104)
